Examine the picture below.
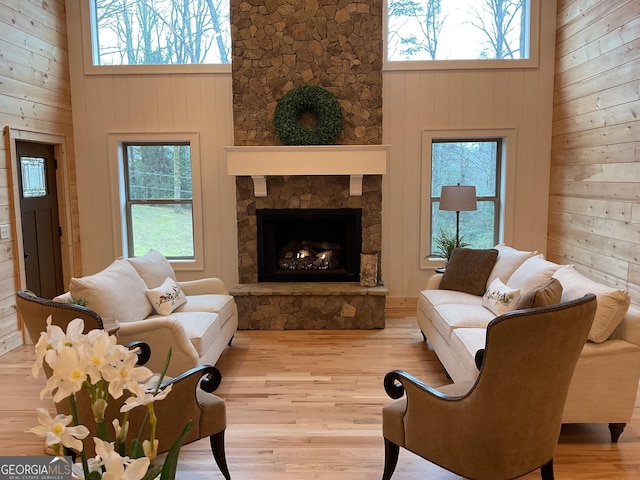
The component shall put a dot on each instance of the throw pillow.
(509, 259)
(153, 267)
(167, 297)
(548, 294)
(116, 293)
(499, 298)
(612, 306)
(468, 269)
(533, 272)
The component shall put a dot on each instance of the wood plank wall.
(594, 210)
(35, 100)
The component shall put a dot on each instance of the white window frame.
(119, 218)
(531, 62)
(88, 53)
(506, 186)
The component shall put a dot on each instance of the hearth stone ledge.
(310, 306)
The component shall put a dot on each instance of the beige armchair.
(506, 423)
(190, 398)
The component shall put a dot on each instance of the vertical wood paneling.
(34, 98)
(594, 165)
(151, 103)
(519, 99)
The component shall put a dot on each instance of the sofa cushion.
(549, 293)
(153, 268)
(612, 303)
(167, 297)
(427, 299)
(465, 343)
(468, 269)
(116, 293)
(533, 272)
(509, 259)
(223, 305)
(499, 298)
(447, 318)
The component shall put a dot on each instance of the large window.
(160, 32)
(475, 158)
(431, 30)
(159, 199)
(467, 162)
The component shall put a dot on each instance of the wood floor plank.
(307, 405)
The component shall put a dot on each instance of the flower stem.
(83, 453)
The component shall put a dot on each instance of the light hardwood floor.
(307, 405)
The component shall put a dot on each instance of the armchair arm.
(144, 351)
(203, 286)
(162, 334)
(394, 385)
(208, 376)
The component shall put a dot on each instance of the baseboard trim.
(401, 307)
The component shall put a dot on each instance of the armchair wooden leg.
(547, 470)
(391, 453)
(217, 447)
(616, 430)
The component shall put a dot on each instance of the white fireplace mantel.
(353, 160)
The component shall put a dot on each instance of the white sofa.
(140, 296)
(605, 382)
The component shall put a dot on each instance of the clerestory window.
(460, 30)
(160, 32)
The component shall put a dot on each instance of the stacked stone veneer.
(280, 44)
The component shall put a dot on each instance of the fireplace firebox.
(309, 245)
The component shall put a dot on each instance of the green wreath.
(308, 98)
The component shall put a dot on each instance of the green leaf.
(136, 449)
(95, 475)
(171, 460)
(152, 472)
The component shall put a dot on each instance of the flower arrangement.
(93, 364)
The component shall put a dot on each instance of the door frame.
(60, 146)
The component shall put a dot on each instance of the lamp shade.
(458, 198)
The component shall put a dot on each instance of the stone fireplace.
(277, 45)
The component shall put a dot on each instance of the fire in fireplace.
(309, 245)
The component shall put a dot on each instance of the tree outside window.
(457, 30)
(159, 199)
(467, 162)
(160, 32)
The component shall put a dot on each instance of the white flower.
(124, 371)
(68, 373)
(98, 350)
(115, 464)
(142, 397)
(121, 432)
(151, 451)
(56, 431)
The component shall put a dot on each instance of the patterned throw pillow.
(499, 298)
(167, 297)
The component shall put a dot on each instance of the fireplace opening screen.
(312, 245)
